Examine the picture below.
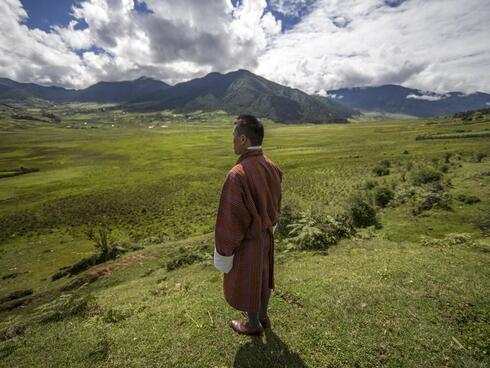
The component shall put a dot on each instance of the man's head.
(248, 131)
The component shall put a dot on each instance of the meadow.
(409, 288)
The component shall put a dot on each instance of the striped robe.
(250, 204)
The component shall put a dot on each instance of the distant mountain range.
(236, 92)
(244, 92)
(401, 100)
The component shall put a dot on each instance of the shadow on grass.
(271, 353)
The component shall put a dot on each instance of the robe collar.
(249, 153)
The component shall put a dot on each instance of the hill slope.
(122, 91)
(401, 100)
(244, 92)
(236, 92)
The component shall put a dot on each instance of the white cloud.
(435, 45)
(179, 40)
(432, 45)
(428, 97)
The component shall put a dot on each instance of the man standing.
(249, 210)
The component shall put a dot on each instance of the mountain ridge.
(392, 98)
(235, 92)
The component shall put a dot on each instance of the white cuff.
(223, 263)
(274, 228)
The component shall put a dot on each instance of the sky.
(313, 45)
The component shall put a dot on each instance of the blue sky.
(314, 45)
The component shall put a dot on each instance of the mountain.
(244, 92)
(236, 92)
(401, 100)
(122, 91)
(102, 92)
(11, 90)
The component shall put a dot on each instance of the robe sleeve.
(280, 196)
(233, 218)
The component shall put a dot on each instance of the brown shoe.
(265, 322)
(242, 327)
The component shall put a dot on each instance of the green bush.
(380, 170)
(103, 242)
(287, 217)
(314, 230)
(424, 174)
(385, 163)
(449, 240)
(369, 184)
(444, 168)
(306, 232)
(467, 199)
(403, 194)
(337, 227)
(383, 196)
(429, 200)
(183, 260)
(477, 157)
(362, 213)
(447, 157)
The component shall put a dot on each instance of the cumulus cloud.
(174, 41)
(427, 97)
(434, 45)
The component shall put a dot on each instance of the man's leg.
(253, 317)
(264, 303)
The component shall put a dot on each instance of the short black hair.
(251, 127)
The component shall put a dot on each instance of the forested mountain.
(401, 100)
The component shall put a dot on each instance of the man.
(249, 210)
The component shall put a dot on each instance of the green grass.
(379, 299)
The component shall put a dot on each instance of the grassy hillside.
(411, 291)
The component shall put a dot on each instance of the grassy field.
(410, 291)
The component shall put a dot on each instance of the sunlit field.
(403, 283)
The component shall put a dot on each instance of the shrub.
(379, 170)
(425, 174)
(403, 176)
(447, 157)
(444, 168)
(467, 199)
(182, 260)
(429, 200)
(313, 230)
(478, 157)
(337, 227)
(385, 163)
(452, 239)
(383, 196)
(370, 184)
(287, 218)
(305, 232)
(103, 242)
(404, 193)
(362, 213)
